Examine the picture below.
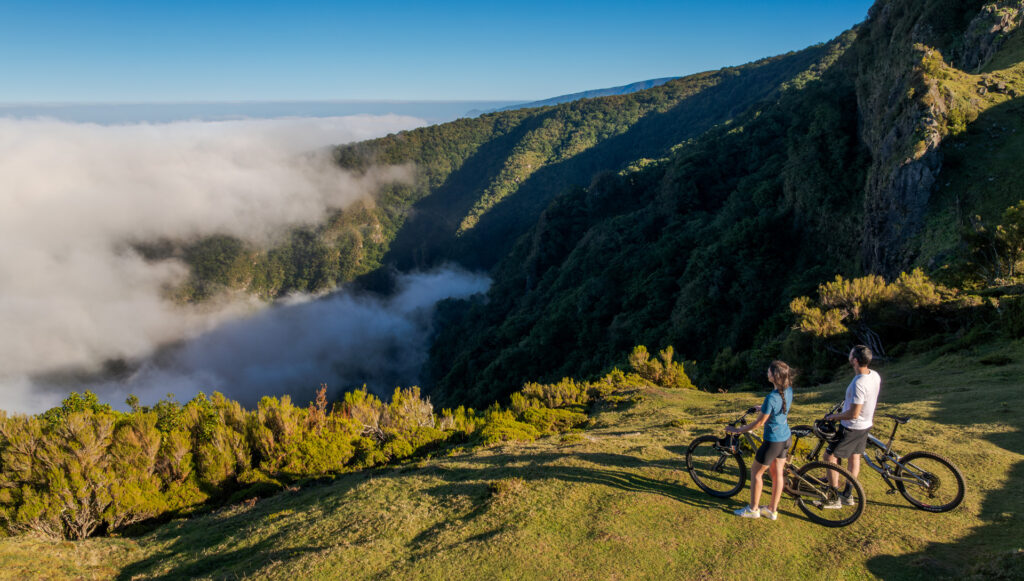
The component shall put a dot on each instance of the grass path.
(614, 504)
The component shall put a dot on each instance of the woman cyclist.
(773, 416)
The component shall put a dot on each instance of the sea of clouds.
(74, 295)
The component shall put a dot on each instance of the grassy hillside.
(981, 167)
(613, 502)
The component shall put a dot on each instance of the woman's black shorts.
(772, 450)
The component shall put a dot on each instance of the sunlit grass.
(616, 504)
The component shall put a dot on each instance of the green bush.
(1011, 310)
(549, 421)
(83, 468)
(502, 426)
(662, 371)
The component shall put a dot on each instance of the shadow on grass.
(1001, 509)
(184, 556)
(189, 539)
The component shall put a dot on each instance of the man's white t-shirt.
(862, 390)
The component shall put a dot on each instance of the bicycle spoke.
(715, 470)
(930, 482)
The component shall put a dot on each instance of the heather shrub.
(408, 411)
(552, 421)
(662, 371)
(462, 419)
(554, 395)
(501, 426)
(367, 453)
(84, 468)
(367, 411)
(60, 478)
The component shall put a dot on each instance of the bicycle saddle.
(801, 431)
(899, 419)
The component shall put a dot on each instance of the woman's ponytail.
(783, 376)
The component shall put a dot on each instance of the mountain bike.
(927, 480)
(717, 466)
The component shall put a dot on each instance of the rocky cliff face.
(904, 110)
(987, 32)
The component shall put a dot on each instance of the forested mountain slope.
(688, 214)
(621, 90)
(481, 183)
(477, 183)
(704, 250)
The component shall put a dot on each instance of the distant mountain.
(121, 113)
(623, 90)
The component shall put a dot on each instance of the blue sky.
(181, 51)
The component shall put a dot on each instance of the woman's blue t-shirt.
(776, 429)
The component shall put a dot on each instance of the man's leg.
(833, 476)
(854, 466)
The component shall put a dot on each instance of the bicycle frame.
(792, 477)
(881, 460)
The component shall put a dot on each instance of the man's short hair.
(862, 354)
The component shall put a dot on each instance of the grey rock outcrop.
(987, 32)
(903, 116)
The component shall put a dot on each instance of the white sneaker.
(746, 512)
(831, 505)
(846, 500)
(767, 513)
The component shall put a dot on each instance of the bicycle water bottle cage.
(827, 430)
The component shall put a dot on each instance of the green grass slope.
(982, 169)
(614, 502)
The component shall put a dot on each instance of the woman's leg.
(778, 482)
(756, 483)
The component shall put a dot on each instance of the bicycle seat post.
(892, 437)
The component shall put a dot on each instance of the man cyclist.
(855, 419)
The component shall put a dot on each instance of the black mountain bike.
(928, 481)
(718, 468)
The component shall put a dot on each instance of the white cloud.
(71, 195)
(343, 340)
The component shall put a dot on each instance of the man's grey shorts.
(850, 442)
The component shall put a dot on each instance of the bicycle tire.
(813, 492)
(913, 492)
(715, 471)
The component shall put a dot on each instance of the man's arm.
(849, 414)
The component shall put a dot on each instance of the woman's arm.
(761, 419)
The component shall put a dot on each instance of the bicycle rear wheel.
(935, 485)
(716, 470)
(823, 503)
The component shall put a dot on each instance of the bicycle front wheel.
(716, 470)
(929, 482)
(822, 502)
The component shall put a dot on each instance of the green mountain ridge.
(835, 175)
(687, 214)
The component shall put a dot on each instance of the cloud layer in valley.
(73, 294)
(343, 340)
